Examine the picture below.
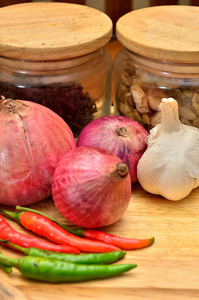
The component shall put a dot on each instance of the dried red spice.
(69, 101)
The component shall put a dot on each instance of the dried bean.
(140, 98)
(137, 116)
(196, 123)
(125, 79)
(186, 113)
(129, 99)
(146, 119)
(155, 119)
(155, 96)
(188, 93)
(185, 122)
(126, 110)
(196, 108)
(121, 92)
(195, 98)
(148, 89)
(179, 94)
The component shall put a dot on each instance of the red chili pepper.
(15, 237)
(121, 242)
(43, 226)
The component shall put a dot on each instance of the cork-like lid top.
(45, 30)
(167, 33)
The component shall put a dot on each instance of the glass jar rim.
(47, 65)
(171, 69)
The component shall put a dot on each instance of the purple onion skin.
(129, 148)
(33, 139)
(87, 188)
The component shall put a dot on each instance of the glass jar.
(75, 81)
(77, 89)
(141, 83)
(145, 71)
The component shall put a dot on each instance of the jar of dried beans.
(55, 54)
(159, 58)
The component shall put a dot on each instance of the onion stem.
(122, 131)
(122, 170)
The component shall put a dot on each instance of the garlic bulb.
(170, 165)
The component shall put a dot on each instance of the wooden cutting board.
(9, 292)
(169, 269)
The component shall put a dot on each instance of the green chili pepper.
(52, 270)
(83, 258)
(4, 267)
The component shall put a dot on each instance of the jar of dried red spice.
(54, 54)
(159, 59)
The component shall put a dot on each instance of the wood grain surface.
(169, 269)
(9, 292)
(45, 30)
(168, 33)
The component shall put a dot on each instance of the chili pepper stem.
(4, 267)
(19, 248)
(151, 241)
(10, 261)
(12, 215)
(76, 231)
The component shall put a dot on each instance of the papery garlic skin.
(170, 165)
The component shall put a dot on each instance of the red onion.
(32, 141)
(118, 134)
(91, 187)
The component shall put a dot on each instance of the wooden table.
(169, 269)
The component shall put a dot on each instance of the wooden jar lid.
(45, 30)
(167, 33)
